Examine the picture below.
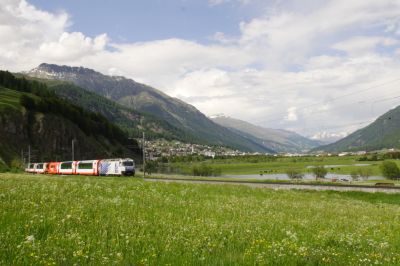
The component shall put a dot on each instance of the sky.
(320, 68)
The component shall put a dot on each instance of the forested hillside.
(30, 114)
(131, 121)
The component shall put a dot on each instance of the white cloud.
(285, 69)
(290, 38)
(291, 114)
(217, 79)
(72, 46)
(328, 137)
(364, 44)
(23, 28)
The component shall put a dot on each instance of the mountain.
(192, 124)
(30, 115)
(130, 120)
(273, 139)
(384, 132)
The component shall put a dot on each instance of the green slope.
(31, 115)
(130, 120)
(384, 132)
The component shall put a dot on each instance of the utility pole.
(144, 157)
(73, 151)
(29, 156)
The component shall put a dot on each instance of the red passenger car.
(52, 168)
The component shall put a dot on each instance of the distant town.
(165, 148)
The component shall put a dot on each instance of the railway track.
(272, 185)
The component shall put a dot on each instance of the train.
(103, 167)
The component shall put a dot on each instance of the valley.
(213, 132)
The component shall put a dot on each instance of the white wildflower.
(30, 238)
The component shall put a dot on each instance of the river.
(306, 177)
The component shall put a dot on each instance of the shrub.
(16, 165)
(354, 175)
(364, 172)
(319, 171)
(3, 166)
(205, 170)
(390, 170)
(293, 173)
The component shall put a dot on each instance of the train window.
(39, 166)
(127, 163)
(66, 165)
(31, 165)
(85, 166)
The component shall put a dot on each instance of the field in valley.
(91, 220)
(274, 165)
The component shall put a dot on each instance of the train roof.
(118, 159)
(87, 161)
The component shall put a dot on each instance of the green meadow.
(239, 166)
(9, 98)
(55, 220)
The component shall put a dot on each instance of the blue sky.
(278, 63)
(146, 20)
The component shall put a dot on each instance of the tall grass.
(90, 220)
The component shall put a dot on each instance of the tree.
(293, 173)
(390, 170)
(3, 166)
(364, 172)
(16, 165)
(27, 102)
(151, 166)
(319, 171)
(354, 175)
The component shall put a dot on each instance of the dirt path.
(370, 189)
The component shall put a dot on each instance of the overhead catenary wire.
(318, 112)
(358, 102)
(283, 114)
(352, 124)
